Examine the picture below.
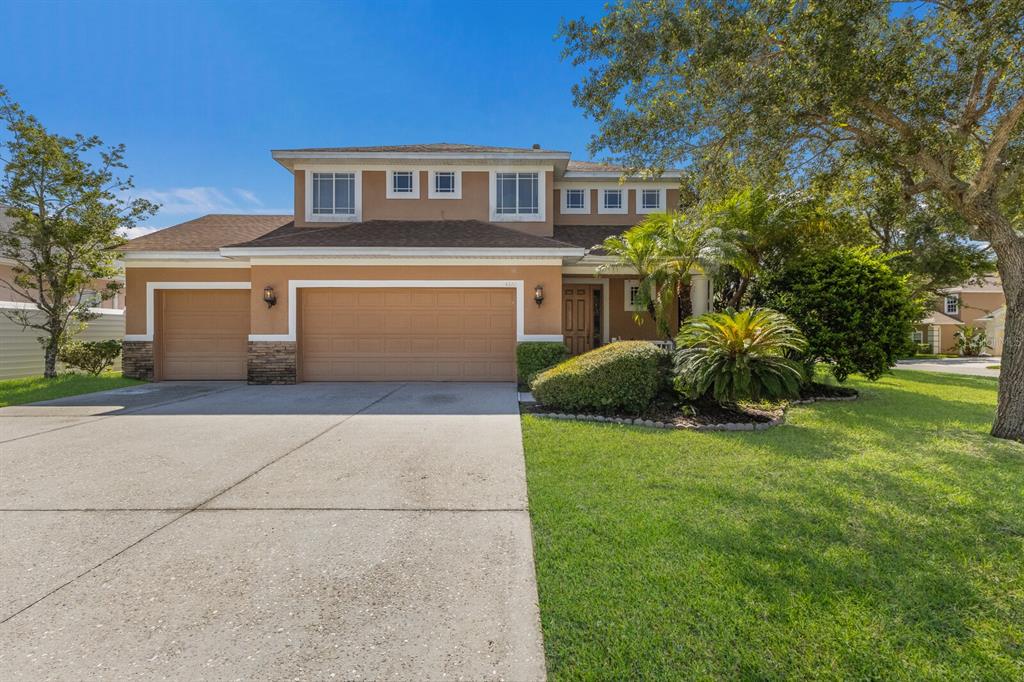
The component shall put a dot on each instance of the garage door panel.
(445, 334)
(203, 334)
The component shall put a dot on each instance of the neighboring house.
(995, 328)
(416, 262)
(20, 351)
(970, 304)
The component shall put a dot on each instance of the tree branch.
(993, 157)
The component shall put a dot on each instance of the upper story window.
(334, 194)
(651, 200)
(517, 194)
(613, 201)
(575, 200)
(445, 185)
(953, 305)
(403, 184)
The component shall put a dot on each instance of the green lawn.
(34, 389)
(878, 539)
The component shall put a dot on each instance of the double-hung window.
(334, 194)
(517, 194)
(952, 304)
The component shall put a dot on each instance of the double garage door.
(387, 334)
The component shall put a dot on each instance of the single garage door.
(203, 334)
(407, 334)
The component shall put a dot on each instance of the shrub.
(533, 357)
(619, 377)
(93, 357)
(734, 356)
(971, 341)
(855, 312)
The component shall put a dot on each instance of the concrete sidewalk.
(217, 530)
(972, 366)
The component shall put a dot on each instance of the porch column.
(699, 294)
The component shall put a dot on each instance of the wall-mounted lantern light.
(269, 297)
(538, 294)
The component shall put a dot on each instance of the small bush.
(93, 357)
(533, 357)
(620, 377)
(732, 356)
(971, 341)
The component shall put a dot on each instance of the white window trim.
(432, 192)
(151, 288)
(564, 191)
(414, 194)
(626, 286)
(538, 217)
(640, 200)
(955, 300)
(917, 336)
(295, 284)
(336, 217)
(622, 210)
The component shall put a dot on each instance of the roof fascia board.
(265, 251)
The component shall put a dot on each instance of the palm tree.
(664, 250)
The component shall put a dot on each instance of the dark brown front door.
(578, 317)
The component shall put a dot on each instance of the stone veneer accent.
(272, 362)
(137, 359)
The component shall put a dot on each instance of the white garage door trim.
(295, 284)
(151, 288)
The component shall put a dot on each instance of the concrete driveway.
(223, 531)
(978, 367)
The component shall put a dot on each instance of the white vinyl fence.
(20, 352)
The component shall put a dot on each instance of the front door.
(578, 317)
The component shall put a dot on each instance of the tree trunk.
(737, 296)
(50, 366)
(1009, 421)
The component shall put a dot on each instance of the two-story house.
(414, 262)
(972, 304)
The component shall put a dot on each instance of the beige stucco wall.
(474, 204)
(973, 305)
(621, 324)
(135, 291)
(544, 319)
(595, 218)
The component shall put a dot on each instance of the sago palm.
(746, 355)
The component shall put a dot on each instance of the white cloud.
(179, 204)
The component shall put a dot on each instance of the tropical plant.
(94, 357)
(932, 94)
(665, 249)
(856, 313)
(618, 377)
(971, 341)
(728, 356)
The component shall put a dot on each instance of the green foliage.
(94, 357)
(37, 388)
(855, 312)
(746, 355)
(620, 377)
(971, 341)
(665, 249)
(533, 357)
(69, 211)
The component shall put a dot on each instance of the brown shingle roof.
(593, 166)
(470, 234)
(425, 148)
(207, 233)
(588, 236)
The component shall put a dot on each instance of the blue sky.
(200, 92)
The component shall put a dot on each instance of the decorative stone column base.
(137, 360)
(272, 362)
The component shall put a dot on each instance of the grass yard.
(34, 389)
(878, 539)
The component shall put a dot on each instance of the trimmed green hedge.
(620, 377)
(533, 357)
